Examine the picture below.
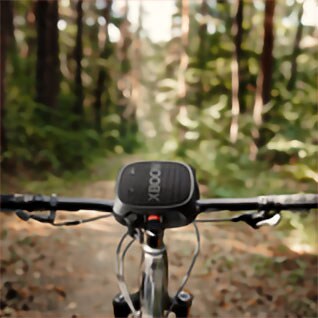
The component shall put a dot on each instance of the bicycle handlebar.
(270, 202)
(40, 202)
(144, 188)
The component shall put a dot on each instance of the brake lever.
(272, 221)
(40, 218)
(259, 218)
(22, 215)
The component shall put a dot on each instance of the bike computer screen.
(161, 187)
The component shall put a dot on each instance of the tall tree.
(47, 65)
(136, 53)
(296, 50)
(78, 55)
(30, 36)
(184, 59)
(124, 82)
(264, 80)
(128, 81)
(125, 41)
(237, 30)
(103, 73)
(7, 39)
(202, 51)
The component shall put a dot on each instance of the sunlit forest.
(229, 87)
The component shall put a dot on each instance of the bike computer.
(165, 188)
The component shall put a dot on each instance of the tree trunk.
(124, 82)
(264, 80)
(7, 40)
(184, 60)
(296, 50)
(103, 75)
(237, 31)
(125, 42)
(136, 66)
(267, 56)
(183, 65)
(30, 37)
(47, 67)
(203, 33)
(78, 55)
(202, 56)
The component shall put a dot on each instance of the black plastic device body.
(165, 188)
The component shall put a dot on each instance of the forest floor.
(70, 272)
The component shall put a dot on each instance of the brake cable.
(188, 273)
(214, 220)
(255, 219)
(77, 222)
(120, 271)
(51, 218)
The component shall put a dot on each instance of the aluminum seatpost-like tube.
(154, 286)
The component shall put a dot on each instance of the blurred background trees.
(228, 87)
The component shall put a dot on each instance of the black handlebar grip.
(18, 201)
(292, 201)
(6, 202)
(39, 202)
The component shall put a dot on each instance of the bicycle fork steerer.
(152, 298)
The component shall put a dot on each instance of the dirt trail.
(70, 272)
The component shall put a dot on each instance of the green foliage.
(197, 131)
(43, 139)
(40, 137)
(46, 139)
(57, 140)
(287, 158)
